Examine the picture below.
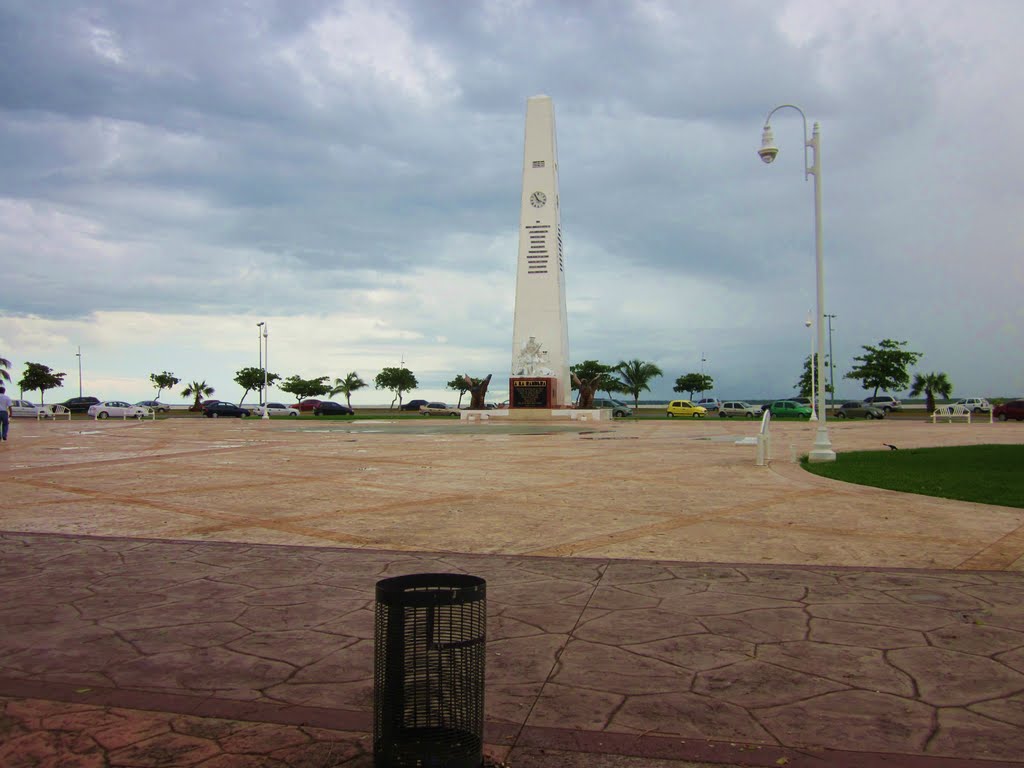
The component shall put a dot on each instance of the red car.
(1012, 409)
(306, 406)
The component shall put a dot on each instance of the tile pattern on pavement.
(657, 658)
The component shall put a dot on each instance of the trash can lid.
(423, 589)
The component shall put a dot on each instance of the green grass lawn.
(988, 474)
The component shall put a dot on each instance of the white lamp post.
(807, 322)
(79, 356)
(822, 450)
(266, 364)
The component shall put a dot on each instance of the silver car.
(27, 408)
(732, 408)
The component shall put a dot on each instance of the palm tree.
(4, 365)
(931, 384)
(347, 386)
(636, 377)
(199, 390)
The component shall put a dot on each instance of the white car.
(975, 404)
(274, 409)
(118, 409)
(28, 409)
(439, 409)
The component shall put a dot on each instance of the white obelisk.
(540, 338)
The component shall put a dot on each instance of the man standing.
(5, 413)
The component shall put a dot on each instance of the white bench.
(950, 412)
(53, 412)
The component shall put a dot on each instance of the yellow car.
(686, 408)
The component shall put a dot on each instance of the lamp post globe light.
(807, 322)
(822, 450)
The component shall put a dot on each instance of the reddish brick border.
(489, 556)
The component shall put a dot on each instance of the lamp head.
(807, 322)
(768, 150)
(259, 325)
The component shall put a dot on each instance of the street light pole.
(79, 356)
(266, 364)
(702, 361)
(822, 450)
(259, 345)
(831, 362)
(807, 322)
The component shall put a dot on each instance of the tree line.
(884, 366)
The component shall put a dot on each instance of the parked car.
(412, 405)
(710, 404)
(438, 409)
(331, 408)
(275, 409)
(1011, 409)
(27, 408)
(854, 409)
(203, 404)
(220, 408)
(732, 408)
(306, 406)
(118, 409)
(788, 408)
(156, 405)
(617, 408)
(80, 404)
(975, 404)
(685, 408)
(886, 402)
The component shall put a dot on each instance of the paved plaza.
(197, 592)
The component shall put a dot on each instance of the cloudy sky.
(350, 172)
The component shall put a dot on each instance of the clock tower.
(540, 338)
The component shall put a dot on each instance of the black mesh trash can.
(428, 671)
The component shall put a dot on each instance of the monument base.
(533, 392)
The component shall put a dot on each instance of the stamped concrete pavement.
(127, 649)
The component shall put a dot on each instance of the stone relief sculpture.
(532, 360)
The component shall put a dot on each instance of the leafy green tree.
(303, 388)
(884, 366)
(347, 386)
(162, 381)
(41, 377)
(198, 390)
(397, 380)
(931, 384)
(251, 379)
(460, 385)
(693, 382)
(635, 376)
(4, 365)
(612, 386)
(804, 384)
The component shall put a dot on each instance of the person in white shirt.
(5, 413)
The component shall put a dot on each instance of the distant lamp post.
(266, 364)
(822, 450)
(702, 361)
(807, 322)
(79, 356)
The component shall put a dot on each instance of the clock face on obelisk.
(537, 199)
